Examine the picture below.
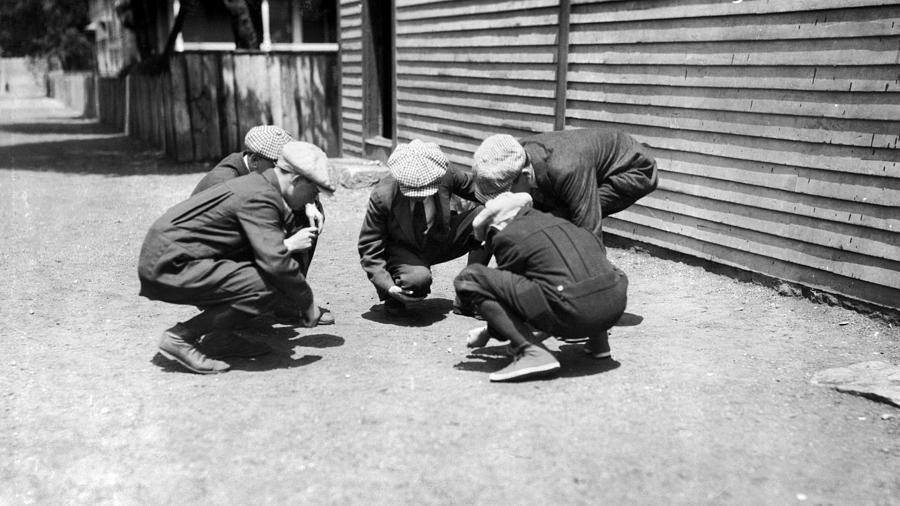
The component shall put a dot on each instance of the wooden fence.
(199, 105)
(75, 90)
(776, 124)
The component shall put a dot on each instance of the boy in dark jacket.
(224, 250)
(551, 276)
(409, 225)
(580, 175)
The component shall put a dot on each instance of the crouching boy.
(224, 250)
(551, 276)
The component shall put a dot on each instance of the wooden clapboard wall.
(199, 105)
(775, 123)
(463, 68)
(776, 127)
(351, 76)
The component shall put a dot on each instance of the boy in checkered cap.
(224, 250)
(580, 175)
(409, 225)
(551, 276)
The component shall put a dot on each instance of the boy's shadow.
(418, 314)
(282, 340)
(629, 320)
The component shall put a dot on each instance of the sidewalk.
(708, 400)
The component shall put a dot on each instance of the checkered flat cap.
(418, 167)
(496, 164)
(267, 141)
(498, 212)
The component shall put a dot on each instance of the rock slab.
(875, 380)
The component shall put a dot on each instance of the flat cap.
(496, 164)
(498, 212)
(267, 141)
(418, 167)
(309, 161)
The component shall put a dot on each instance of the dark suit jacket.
(583, 175)
(230, 167)
(388, 222)
(240, 218)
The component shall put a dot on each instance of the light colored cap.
(418, 167)
(267, 141)
(307, 160)
(498, 212)
(496, 164)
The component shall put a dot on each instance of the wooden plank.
(868, 51)
(562, 64)
(290, 114)
(485, 72)
(489, 38)
(745, 260)
(184, 144)
(857, 79)
(782, 223)
(843, 263)
(816, 129)
(537, 55)
(199, 106)
(806, 25)
(230, 137)
(306, 98)
(535, 89)
(466, 9)
(468, 136)
(159, 118)
(169, 112)
(252, 104)
(874, 161)
(501, 119)
(483, 22)
(273, 88)
(324, 124)
(212, 75)
(453, 100)
(656, 9)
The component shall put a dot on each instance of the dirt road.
(707, 401)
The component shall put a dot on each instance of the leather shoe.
(227, 344)
(175, 347)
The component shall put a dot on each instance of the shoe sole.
(189, 368)
(530, 372)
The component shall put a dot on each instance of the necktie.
(420, 222)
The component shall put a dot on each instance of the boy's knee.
(417, 279)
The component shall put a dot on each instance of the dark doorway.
(378, 78)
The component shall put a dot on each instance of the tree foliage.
(50, 29)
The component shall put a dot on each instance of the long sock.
(504, 323)
(215, 318)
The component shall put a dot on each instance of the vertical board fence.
(776, 124)
(199, 105)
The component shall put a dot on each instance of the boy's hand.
(301, 240)
(402, 295)
(315, 217)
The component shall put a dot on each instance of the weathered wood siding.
(775, 124)
(351, 76)
(200, 106)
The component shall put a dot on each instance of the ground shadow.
(418, 314)
(73, 126)
(284, 341)
(112, 155)
(629, 320)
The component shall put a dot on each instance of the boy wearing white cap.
(551, 276)
(580, 175)
(409, 225)
(224, 251)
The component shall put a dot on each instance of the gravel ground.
(708, 399)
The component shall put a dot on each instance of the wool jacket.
(388, 221)
(584, 175)
(240, 218)
(230, 167)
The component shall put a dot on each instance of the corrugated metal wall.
(776, 125)
(775, 122)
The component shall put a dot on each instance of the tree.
(53, 30)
